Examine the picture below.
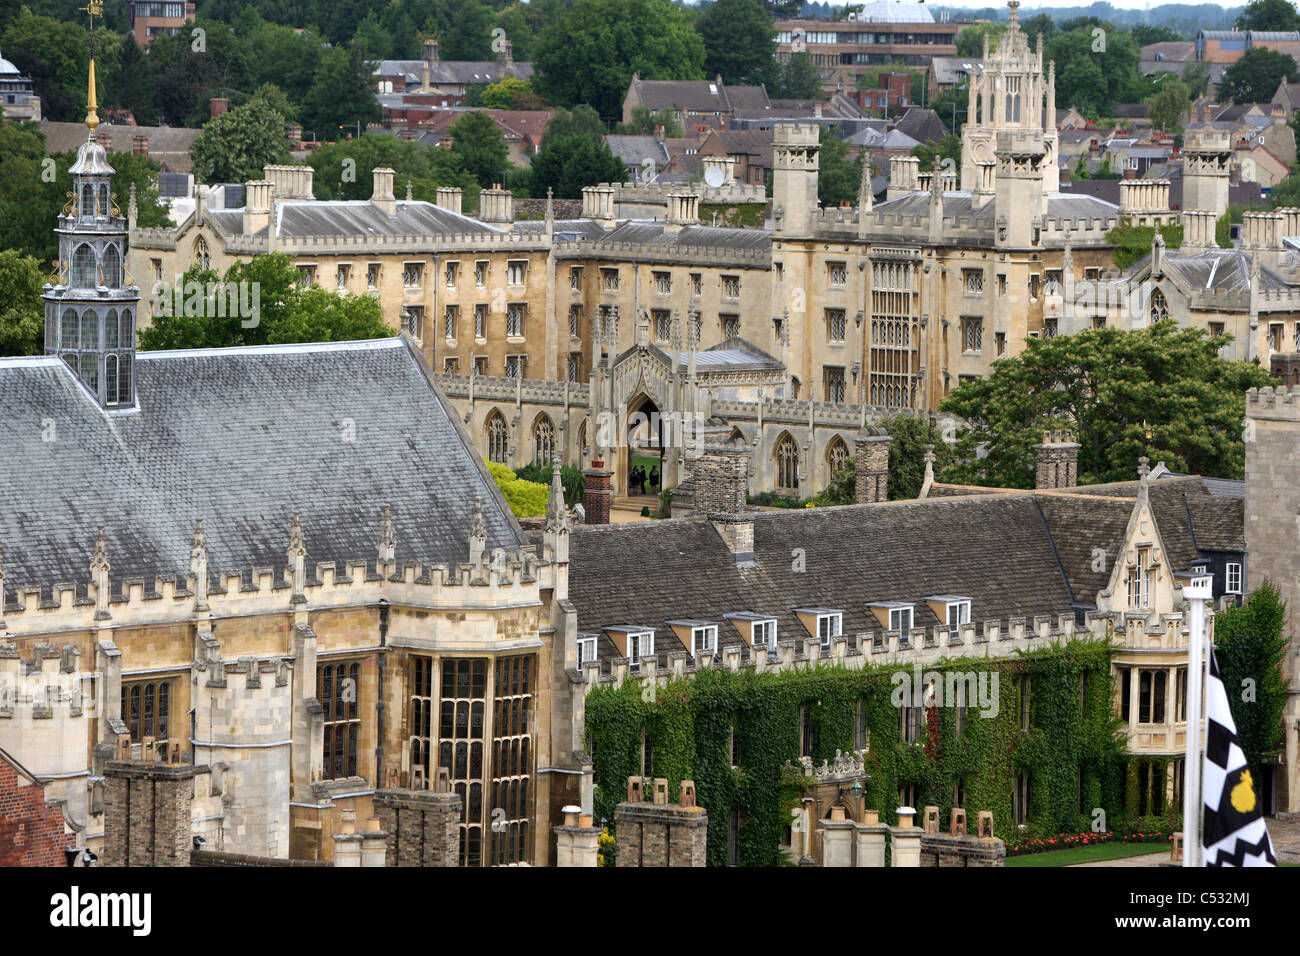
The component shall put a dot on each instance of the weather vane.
(96, 9)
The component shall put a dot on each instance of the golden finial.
(95, 8)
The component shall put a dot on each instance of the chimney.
(257, 206)
(218, 105)
(904, 175)
(294, 132)
(382, 196)
(289, 182)
(140, 144)
(496, 205)
(871, 466)
(683, 210)
(659, 133)
(725, 165)
(505, 58)
(597, 492)
(449, 198)
(598, 204)
(1057, 460)
(431, 52)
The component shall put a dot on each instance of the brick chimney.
(140, 144)
(1057, 460)
(597, 492)
(871, 466)
(147, 813)
(219, 105)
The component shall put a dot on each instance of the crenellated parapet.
(918, 646)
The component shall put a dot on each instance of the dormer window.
(764, 634)
(1139, 581)
(828, 626)
(704, 640)
(900, 619)
(640, 645)
(586, 649)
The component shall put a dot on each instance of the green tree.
(590, 54)
(188, 69)
(234, 146)
(130, 86)
(644, 122)
(1256, 76)
(1132, 242)
(54, 54)
(509, 93)
(288, 312)
(1166, 108)
(22, 323)
(910, 434)
(970, 40)
(1112, 387)
(838, 177)
(345, 170)
(1250, 645)
(340, 97)
(567, 165)
(799, 78)
(581, 121)
(477, 142)
(1196, 77)
(739, 40)
(948, 148)
(1144, 34)
(1269, 15)
(1094, 71)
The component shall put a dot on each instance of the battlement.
(501, 388)
(733, 193)
(796, 134)
(793, 411)
(1207, 139)
(1275, 404)
(991, 640)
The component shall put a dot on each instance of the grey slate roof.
(653, 233)
(359, 217)
(242, 438)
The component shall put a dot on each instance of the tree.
(948, 148)
(1144, 34)
(910, 434)
(644, 122)
(1113, 387)
(1249, 645)
(288, 312)
(477, 142)
(590, 54)
(189, 68)
(1132, 242)
(1196, 77)
(22, 323)
(798, 78)
(340, 96)
(345, 170)
(54, 54)
(739, 40)
(1166, 108)
(1091, 75)
(234, 146)
(838, 177)
(131, 86)
(1256, 76)
(970, 40)
(582, 121)
(1269, 15)
(509, 93)
(567, 165)
(468, 34)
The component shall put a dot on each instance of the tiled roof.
(168, 146)
(360, 217)
(242, 438)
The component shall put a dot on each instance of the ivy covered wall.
(690, 722)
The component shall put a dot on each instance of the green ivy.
(689, 724)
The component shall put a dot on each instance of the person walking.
(654, 477)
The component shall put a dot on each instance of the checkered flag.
(1234, 834)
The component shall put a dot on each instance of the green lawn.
(1088, 854)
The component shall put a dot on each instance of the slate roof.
(856, 554)
(699, 96)
(922, 125)
(168, 146)
(452, 72)
(632, 150)
(360, 217)
(241, 437)
(653, 233)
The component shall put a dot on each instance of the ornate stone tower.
(90, 309)
(795, 160)
(1010, 95)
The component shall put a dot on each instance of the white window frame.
(1233, 570)
(763, 634)
(909, 610)
(704, 638)
(453, 273)
(517, 272)
(636, 651)
(586, 650)
(829, 626)
(963, 613)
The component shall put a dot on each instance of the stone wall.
(423, 827)
(147, 813)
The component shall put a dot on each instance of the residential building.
(146, 19)
(18, 101)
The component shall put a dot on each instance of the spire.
(865, 196)
(96, 9)
(555, 512)
(408, 189)
(550, 206)
(1013, 16)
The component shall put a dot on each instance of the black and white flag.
(1234, 834)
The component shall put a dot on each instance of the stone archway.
(644, 441)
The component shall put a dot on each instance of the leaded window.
(512, 760)
(544, 439)
(339, 689)
(146, 708)
(787, 464)
(498, 437)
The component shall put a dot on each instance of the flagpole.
(1197, 590)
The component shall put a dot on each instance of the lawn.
(1088, 854)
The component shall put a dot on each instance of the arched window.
(112, 267)
(87, 201)
(68, 340)
(90, 329)
(543, 439)
(787, 464)
(1159, 307)
(201, 255)
(124, 378)
(498, 437)
(110, 329)
(83, 268)
(90, 370)
(837, 455)
(582, 440)
(110, 379)
(101, 208)
(126, 327)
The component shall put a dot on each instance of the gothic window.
(339, 688)
(511, 760)
(126, 327)
(837, 455)
(201, 255)
(110, 329)
(90, 370)
(101, 208)
(146, 709)
(112, 267)
(498, 437)
(460, 746)
(87, 202)
(1013, 99)
(787, 464)
(68, 341)
(83, 268)
(544, 439)
(90, 329)
(1159, 307)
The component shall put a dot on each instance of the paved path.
(1286, 844)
